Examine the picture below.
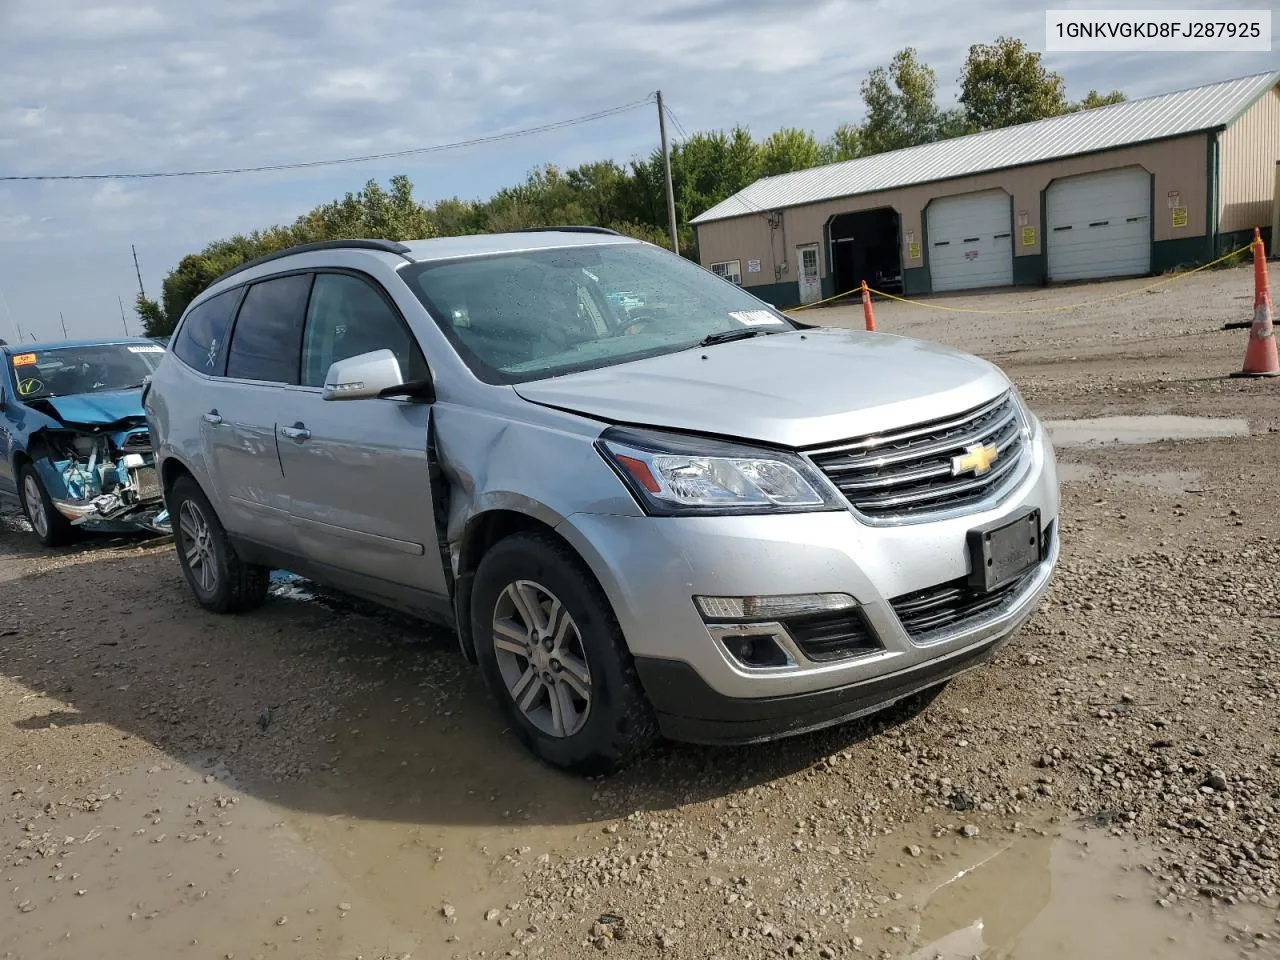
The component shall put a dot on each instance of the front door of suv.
(356, 471)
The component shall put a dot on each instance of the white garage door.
(970, 244)
(1099, 225)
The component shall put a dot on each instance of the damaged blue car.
(75, 451)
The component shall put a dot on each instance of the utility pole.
(137, 270)
(666, 169)
(120, 300)
(64, 325)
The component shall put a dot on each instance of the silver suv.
(688, 515)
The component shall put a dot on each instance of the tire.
(220, 581)
(53, 529)
(617, 724)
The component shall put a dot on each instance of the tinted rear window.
(266, 343)
(201, 342)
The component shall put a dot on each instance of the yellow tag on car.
(24, 359)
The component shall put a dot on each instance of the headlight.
(1026, 417)
(675, 475)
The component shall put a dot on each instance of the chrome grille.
(907, 473)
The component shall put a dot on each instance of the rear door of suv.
(356, 471)
(242, 408)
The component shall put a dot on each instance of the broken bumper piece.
(109, 512)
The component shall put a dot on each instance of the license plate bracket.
(1003, 551)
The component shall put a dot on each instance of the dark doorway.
(867, 246)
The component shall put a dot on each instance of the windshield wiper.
(727, 336)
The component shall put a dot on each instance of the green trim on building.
(781, 295)
(828, 286)
(915, 281)
(1030, 270)
(1235, 239)
(1184, 252)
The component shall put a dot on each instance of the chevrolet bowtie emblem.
(976, 459)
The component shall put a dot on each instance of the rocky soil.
(321, 780)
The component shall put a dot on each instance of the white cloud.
(112, 196)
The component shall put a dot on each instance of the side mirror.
(370, 376)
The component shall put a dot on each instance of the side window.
(267, 338)
(203, 336)
(347, 317)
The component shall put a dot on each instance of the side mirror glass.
(363, 377)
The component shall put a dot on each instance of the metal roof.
(1102, 128)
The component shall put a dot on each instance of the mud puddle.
(1049, 893)
(1162, 481)
(407, 843)
(1141, 429)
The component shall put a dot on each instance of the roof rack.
(569, 229)
(386, 246)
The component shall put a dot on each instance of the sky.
(93, 87)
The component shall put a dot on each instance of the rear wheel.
(554, 656)
(53, 529)
(218, 578)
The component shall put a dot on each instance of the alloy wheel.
(35, 506)
(541, 658)
(197, 545)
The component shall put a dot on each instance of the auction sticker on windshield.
(755, 318)
(156, 349)
(24, 359)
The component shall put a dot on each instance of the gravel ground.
(321, 780)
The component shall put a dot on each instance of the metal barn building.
(1125, 190)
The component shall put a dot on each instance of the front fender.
(544, 470)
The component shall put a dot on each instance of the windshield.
(535, 314)
(64, 371)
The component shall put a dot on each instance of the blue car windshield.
(66, 371)
(534, 314)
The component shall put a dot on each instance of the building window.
(731, 270)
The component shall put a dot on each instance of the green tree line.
(1001, 84)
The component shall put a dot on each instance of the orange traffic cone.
(868, 315)
(1260, 357)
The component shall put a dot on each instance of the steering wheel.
(29, 386)
(640, 320)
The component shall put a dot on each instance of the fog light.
(772, 608)
(757, 650)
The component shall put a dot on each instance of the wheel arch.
(481, 533)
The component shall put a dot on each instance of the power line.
(675, 121)
(415, 151)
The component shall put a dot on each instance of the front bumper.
(651, 568)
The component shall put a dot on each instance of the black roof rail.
(569, 229)
(386, 246)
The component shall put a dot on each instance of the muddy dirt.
(318, 779)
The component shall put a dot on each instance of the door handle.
(212, 417)
(298, 432)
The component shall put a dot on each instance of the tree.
(154, 321)
(901, 111)
(1004, 83)
(1095, 99)
(370, 212)
(845, 144)
(787, 150)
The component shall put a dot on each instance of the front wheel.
(219, 579)
(53, 529)
(554, 656)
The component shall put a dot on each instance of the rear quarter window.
(201, 342)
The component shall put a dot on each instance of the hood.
(98, 409)
(790, 389)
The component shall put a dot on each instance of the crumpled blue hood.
(99, 409)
